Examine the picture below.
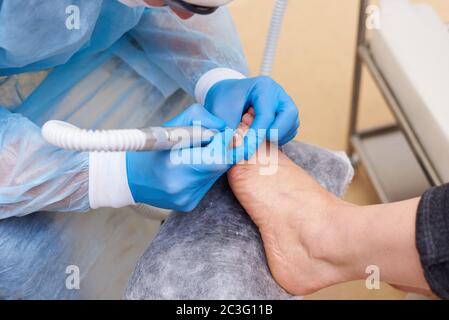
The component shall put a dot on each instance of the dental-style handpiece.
(70, 137)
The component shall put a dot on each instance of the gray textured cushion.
(216, 252)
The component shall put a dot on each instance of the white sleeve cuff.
(108, 180)
(210, 78)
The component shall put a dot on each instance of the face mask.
(142, 3)
(135, 3)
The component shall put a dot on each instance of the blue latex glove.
(155, 179)
(274, 109)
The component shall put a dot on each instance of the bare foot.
(292, 212)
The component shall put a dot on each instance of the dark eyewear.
(197, 9)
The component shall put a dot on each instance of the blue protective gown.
(124, 68)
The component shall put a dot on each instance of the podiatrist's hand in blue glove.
(179, 179)
(274, 109)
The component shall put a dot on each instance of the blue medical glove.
(179, 179)
(274, 109)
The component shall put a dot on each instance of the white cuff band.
(210, 78)
(108, 180)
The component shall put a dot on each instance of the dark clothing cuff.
(432, 239)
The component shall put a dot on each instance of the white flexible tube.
(273, 36)
(67, 136)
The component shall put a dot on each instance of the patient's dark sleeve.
(432, 238)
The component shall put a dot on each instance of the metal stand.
(394, 158)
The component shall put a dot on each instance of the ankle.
(334, 244)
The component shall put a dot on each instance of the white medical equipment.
(70, 137)
(407, 56)
(67, 136)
